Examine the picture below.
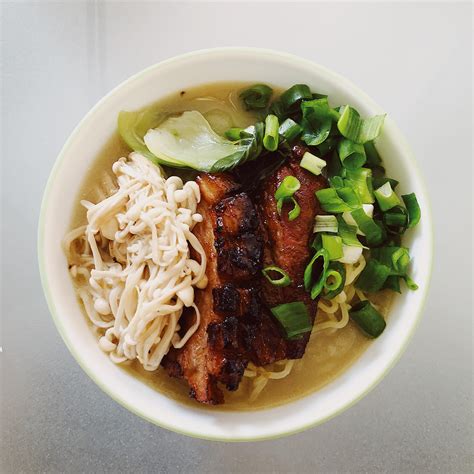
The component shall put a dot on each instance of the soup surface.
(329, 352)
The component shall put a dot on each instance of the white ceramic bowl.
(241, 64)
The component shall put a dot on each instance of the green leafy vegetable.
(188, 140)
(357, 129)
(256, 97)
(294, 318)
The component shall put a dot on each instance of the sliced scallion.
(331, 202)
(373, 276)
(233, 133)
(271, 137)
(294, 95)
(410, 283)
(336, 274)
(352, 154)
(294, 318)
(348, 233)
(256, 97)
(284, 279)
(361, 180)
(386, 197)
(374, 233)
(378, 181)
(333, 245)
(312, 163)
(287, 187)
(396, 220)
(326, 224)
(368, 318)
(290, 130)
(294, 213)
(392, 283)
(357, 129)
(350, 254)
(347, 216)
(315, 287)
(413, 208)
(373, 158)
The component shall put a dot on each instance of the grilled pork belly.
(240, 239)
(233, 246)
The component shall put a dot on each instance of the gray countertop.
(58, 59)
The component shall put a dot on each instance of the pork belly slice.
(287, 244)
(229, 235)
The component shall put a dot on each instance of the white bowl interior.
(65, 180)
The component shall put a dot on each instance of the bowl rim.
(427, 216)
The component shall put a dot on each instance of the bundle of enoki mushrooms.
(131, 262)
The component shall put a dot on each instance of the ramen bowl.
(60, 198)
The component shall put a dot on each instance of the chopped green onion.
(368, 318)
(326, 224)
(349, 196)
(386, 197)
(410, 283)
(394, 257)
(327, 146)
(357, 129)
(294, 318)
(233, 133)
(317, 120)
(352, 154)
(290, 130)
(256, 97)
(333, 280)
(361, 180)
(378, 181)
(396, 220)
(312, 163)
(374, 233)
(294, 94)
(351, 254)
(348, 233)
(294, 213)
(287, 187)
(308, 277)
(392, 283)
(284, 280)
(333, 245)
(373, 158)
(270, 139)
(347, 216)
(331, 202)
(315, 134)
(413, 208)
(373, 276)
(331, 290)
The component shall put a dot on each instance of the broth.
(329, 352)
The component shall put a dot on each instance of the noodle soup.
(335, 342)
